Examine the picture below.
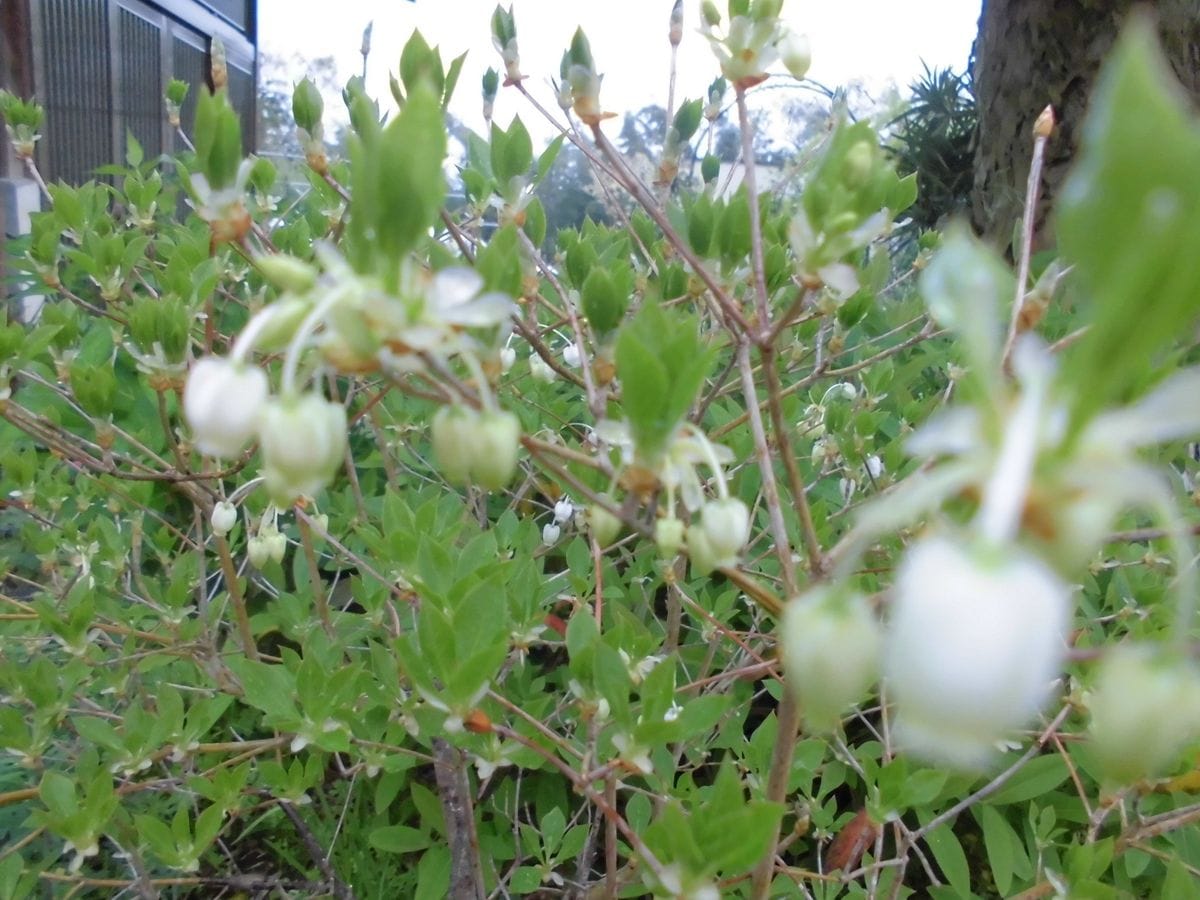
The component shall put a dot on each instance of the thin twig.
(1041, 134)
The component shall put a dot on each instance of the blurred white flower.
(975, 643)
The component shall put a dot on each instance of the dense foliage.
(359, 546)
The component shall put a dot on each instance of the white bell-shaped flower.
(974, 644)
(224, 517)
(222, 403)
(303, 441)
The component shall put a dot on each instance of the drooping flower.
(222, 402)
(830, 642)
(1145, 709)
(718, 538)
(974, 644)
(303, 441)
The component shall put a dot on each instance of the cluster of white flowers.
(354, 325)
(977, 623)
(722, 529)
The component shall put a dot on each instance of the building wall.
(100, 68)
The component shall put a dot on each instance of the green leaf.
(420, 66)
(602, 304)
(500, 262)
(1129, 221)
(433, 874)
(399, 839)
(1041, 776)
(547, 157)
(662, 364)
(398, 185)
(57, 791)
(267, 687)
(1001, 843)
(552, 826)
(950, 858)
(512, 152)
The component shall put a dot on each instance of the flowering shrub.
(357, 548)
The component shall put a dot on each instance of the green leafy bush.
(355, 548)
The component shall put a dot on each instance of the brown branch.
(454, 790)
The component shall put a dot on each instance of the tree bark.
(1030, 53)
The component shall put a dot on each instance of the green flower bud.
(495, 448)
(830, 643)
(605, 526)
(286, 272)
(710, 14)
(1145, 710)
(668, 535)
(452, 432)
(258, 551)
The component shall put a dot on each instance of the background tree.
(1029, 53)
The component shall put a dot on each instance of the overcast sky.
(874, 41)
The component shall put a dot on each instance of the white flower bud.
(541, 370)
(550, 534)
(830, 642)
(223, 518)
(571, 355)
(717, 539)
(975, 643)
(1145, 709)
(796, 53)
(847, 487)
(508, 356)
(563, 510)
(875, 466)
(222, 403)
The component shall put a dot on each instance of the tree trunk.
(1030, 53)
